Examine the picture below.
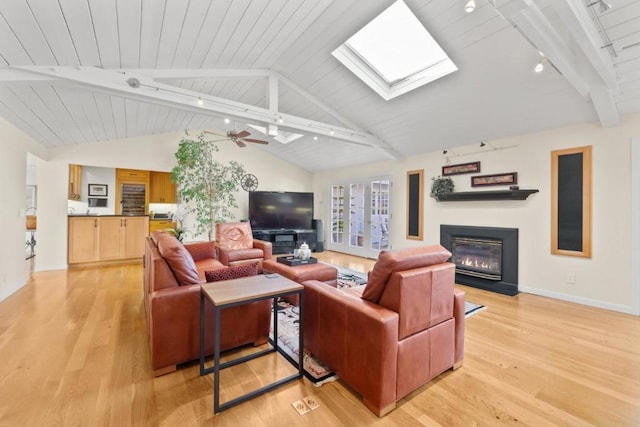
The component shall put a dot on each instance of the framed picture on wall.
(98, 190)
(473, 167)
(497, 179)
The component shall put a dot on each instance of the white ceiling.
(64, 66)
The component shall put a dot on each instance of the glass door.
(363, 227)
(337, 216)
(380, 216)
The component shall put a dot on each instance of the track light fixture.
(540, 65)
(445, 151)
(604, 5)
(482, 144)
(470, 6)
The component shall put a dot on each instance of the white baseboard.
(627, 309)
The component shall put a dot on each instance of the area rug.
(471, 308)
(288, 323)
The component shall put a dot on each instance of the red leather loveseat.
(172, 276)
(405, 328)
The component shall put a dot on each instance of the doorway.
(360, 217)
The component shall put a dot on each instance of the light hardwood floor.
(73, 352)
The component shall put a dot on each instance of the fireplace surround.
(485, 257)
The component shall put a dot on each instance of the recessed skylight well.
(394, 53)
(282, 136)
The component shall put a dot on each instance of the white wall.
(604, 280)
(14, 146)
(147, 153)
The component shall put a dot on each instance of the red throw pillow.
(233, 272)
(179, 259)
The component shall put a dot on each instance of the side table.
(230, 293)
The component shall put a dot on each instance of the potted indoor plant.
(206, 186)
(441, 185)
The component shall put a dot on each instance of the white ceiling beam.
(593, 80)
(529, 20)
(12, 75)
(604, 81)
(163, 94)
(204, 73)
(272, 102)
(257, 73)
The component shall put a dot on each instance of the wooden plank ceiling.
(184, 45)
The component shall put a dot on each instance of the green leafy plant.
(179, 231)
(441, 185)
(206, 187)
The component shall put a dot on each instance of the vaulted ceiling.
(86, 71)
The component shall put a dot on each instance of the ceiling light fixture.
(604, 5)
(331, 132)
(445, 151)
(226, 120)
(200, 101)
(470, 6)
(540, 65)
(482, 144)
(315, 138)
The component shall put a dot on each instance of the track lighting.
(540, 65)
(445, 151)
(482, 144)
(200, 101)
(604, 5)
(470, 6)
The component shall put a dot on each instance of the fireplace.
(485, 257)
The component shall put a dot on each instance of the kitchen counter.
(73, 215)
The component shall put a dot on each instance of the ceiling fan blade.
(242, 134)
(258, 141)
(240, 143)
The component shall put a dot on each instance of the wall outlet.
(571, 279)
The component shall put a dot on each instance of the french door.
(360, 217)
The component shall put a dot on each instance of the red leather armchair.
(172, 277)
(405, 328)
(235, 245)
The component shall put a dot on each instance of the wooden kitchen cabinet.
(106, 239)
(160, 224)
(132, 175)
(83, 240)
(75, 180)
(110, 242)
(134, 232)
(162, 190)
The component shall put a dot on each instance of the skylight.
(282, 137)
(394, 53)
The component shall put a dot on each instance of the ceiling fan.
(238, 137)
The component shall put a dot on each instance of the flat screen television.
(270, 210)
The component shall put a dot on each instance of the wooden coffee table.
(229, 293)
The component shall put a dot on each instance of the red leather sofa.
(404, 329)
(172, 276)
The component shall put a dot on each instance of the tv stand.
(285, 241)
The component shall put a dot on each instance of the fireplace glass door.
(478, 257)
